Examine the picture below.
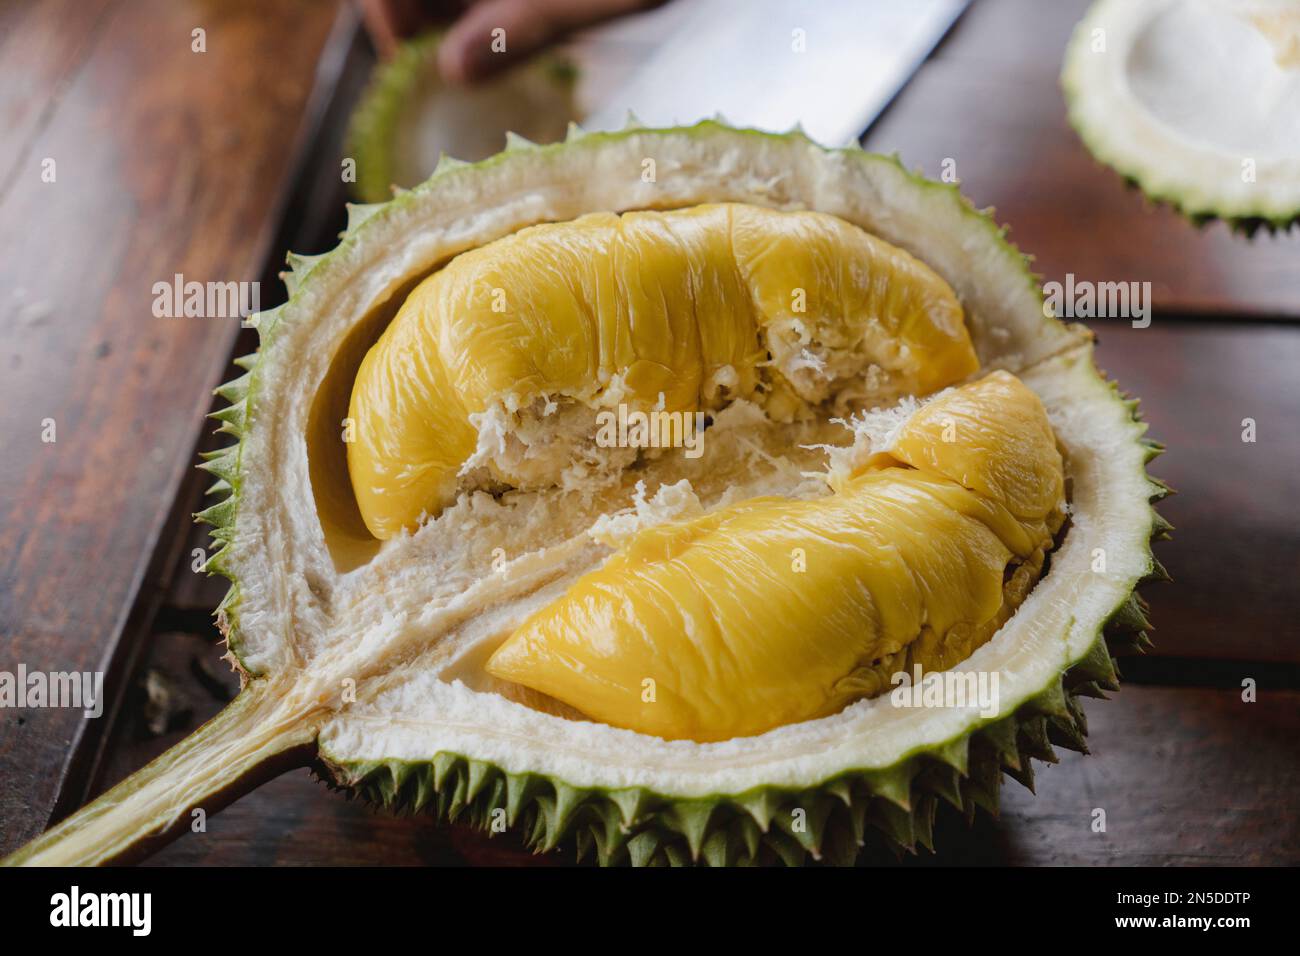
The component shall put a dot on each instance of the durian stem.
(252, 740)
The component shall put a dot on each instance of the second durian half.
(646, 655)
(1197, 102)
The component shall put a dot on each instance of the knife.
(831, 66)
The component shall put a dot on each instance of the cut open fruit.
(1196, 101)
(385, 659)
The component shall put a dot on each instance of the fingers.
(389, 22)
(493, 33)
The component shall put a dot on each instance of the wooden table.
(171, 161)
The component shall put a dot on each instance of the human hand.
(467, 52)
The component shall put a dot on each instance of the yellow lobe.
(774, 611)
(1009, 457)
(664, 301)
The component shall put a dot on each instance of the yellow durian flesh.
(774, 611)
(953, 437)
(699, 306)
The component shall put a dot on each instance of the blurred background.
(149, 139)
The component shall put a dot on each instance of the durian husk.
(284, 709)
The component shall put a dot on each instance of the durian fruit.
(408, 118)
(1197, 102)
(904, 461)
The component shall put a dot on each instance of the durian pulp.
(773, 611)
(492, 371)
(753, 611)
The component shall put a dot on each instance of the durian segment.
(680, 310)
(774, 611)
(1196, 100)
(992, 437)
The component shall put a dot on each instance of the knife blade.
(831, 66)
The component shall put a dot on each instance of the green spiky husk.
(894, 807)
(1133, 179)
(225, 464)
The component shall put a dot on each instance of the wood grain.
(1185, 777)
(1235, 557)
(990, 100)
(167, 161)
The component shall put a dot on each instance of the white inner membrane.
(1223, 75)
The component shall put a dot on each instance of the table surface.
(171, 161)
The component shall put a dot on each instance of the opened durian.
(458, 587)
(1195, 101)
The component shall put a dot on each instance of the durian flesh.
(774, 611)
(759, 613)
(681, 311)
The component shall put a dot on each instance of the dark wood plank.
(1235, 557)
(168, 161)
(38, 62)
(990, 100)
(1186, 777)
